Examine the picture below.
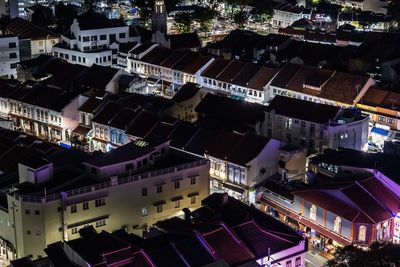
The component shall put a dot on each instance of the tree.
(205, 16)
(394, 10)
(240, 18)
(378, 255)
(183, 21)
(43, 16)
(146, 7)
(262, 12)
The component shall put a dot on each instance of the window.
(12, 45)
(122, 35)
(74, 230)
(66, 56)
(192, 199)
(41, 43)
(28, 232)
(27, 212)
(100, 202)
(85, 205)
(337, 225)
(176, 184)
(73, 58)
(159, 188)
(313, 212)
(86, 38)
(362, 233)
(73, 209)
(100, 223)
(297, 262)
(103, 37)
(144, 191)
(37, 212)
(192, 180)
(144, 211)
(13, 55)
(129, 167)
(390, 121)
(159, 208)
(93, 38)
(289, 263)
(177, 203)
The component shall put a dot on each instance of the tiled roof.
(172, 59)
(27, 30)
(261, 78)
(343, 87)
(90, 105)
(379, 97)
(157, 55)
(237, 148)
(302, 109)
(187, 91)
(215, 68)
(142, 125)
(98, 77)
(230, 72)
(227, 246)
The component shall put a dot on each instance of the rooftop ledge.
(108, 184)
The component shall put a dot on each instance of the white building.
(319, 85)
(9, 56)
(285, 14)
(238, 79)
(92, 39)
(315, 126)
(238, 162)
(125, 189)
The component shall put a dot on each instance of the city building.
(131, 188)
(91, 39)
(33, 40)
(315, 126)
(240, 161)
(319, 85)
(286, 13)
(350, 197)
(238, 79)
(9, 55)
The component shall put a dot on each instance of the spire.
(160, 17)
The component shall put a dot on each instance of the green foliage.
(146, 7)
(378, 255)
(183, 21)
(240, 18)
(205, 16)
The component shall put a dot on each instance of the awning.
(380, 131)
(176, 198)
(158, 203)
(81, 130)
(193, 194)
(234, 188)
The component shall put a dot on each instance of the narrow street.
(314, 260)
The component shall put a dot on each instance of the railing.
(108, 184)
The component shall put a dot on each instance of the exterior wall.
(283, 19)
(9, 56)
(123, 207)
(103, 58)
(43, 46)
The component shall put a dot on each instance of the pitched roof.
(379, 97)
(185, 92)
(121, 154)
(343, 87)
(91, 21)
(142, 125)
(184, 40)
(261, 78)
(27, 30)
(237, 148)
(98, 77)
(215, 68)
(302, 109)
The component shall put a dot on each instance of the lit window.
(144, 211)
(337, 225)
(73, 209)
(313, 212)
(362, 233)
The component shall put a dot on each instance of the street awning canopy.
(380, 131)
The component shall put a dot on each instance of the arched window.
(313, 212)
(362, 233)
(337, 225)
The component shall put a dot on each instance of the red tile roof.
(379, 97)
(261, 78)
(227, 246)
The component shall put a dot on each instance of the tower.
(160, 17)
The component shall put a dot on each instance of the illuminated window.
(313, 212)
(362, 232)
(337, 225)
